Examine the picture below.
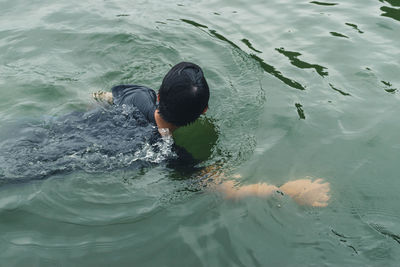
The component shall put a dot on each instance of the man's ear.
(158, 97)
(205, 110)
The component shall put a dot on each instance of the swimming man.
(182, 98)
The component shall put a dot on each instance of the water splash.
(98, 140)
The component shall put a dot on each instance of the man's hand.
(308, 192)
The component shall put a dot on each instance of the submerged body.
(102, 139)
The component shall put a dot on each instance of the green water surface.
(298, 88)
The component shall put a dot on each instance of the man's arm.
(231, 191)
(303, 191)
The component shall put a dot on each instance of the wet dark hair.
(184, 94)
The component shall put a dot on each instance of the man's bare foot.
(308, 192)
(103, 97)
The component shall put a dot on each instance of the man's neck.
(164, 127)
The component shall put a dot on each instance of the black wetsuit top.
(141, 97)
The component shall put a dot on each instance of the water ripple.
(393, 13)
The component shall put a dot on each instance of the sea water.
(298, 88)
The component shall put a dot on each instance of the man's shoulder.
(130, 88)
(123, 91)
(139, 96)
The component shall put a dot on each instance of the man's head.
(183, 94)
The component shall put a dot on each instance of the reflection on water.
(323, 3)
(393, 13)
(336, 34)
(293, 56)
(388, 87)
(271, 70)
(354, 26)
(198, 139)
(338, 90)
(300, 111)
(268, 68)
(391, 2)
(249, 45)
